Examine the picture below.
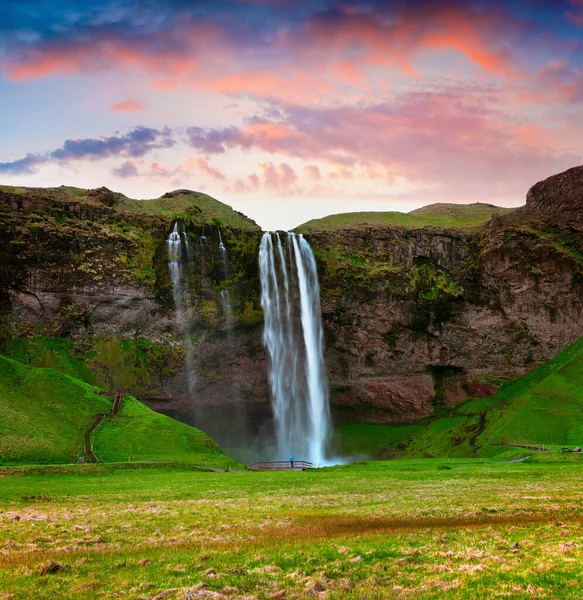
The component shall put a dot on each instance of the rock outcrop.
(558, 198)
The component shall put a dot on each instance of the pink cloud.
(576, 16)
(312, 172)
(447, 139)
(204, 167)
(321, 58)
(281, 179)
(249, 184)
(185, 169)
(128, 106)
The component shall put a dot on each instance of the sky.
(292, 110)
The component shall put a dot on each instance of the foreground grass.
(423, 528)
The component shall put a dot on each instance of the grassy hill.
(44, 415)
(544, 407)
(437, 215)
(195, 207)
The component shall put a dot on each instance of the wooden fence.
(281, 465)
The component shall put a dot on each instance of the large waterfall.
(293, 337)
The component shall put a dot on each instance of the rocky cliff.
(414, 316)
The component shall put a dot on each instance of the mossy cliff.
(415, 315)
(420, 317)
(85, 287)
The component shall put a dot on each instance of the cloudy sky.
(292, 110)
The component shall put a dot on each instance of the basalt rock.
(558, 198)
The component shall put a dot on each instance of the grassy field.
(438, 215)
(543, 408)
(44, 415)
(411, 528)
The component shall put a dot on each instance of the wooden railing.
(116, 405)
(281, 465)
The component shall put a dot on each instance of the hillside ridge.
(446, 215)
(48, 417)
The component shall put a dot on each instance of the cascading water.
(178, 254)
(222, 248)
(175, 263)
(290, 299)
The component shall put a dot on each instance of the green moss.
(119, 365)
(13, 190)
(251, 315)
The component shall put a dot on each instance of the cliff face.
(425, 317)
(85, 287)
(413, 318)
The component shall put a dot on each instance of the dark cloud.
(22, 166)
(126, 169)
(213, 141)
(135, 144)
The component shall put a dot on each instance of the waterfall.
(293, 336)
(222, 248)
(175, 263)
(178, 255)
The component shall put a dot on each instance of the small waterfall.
(294, 340)
(222, 248)
(226, 306)
(224, 258)
(178, 256)
(175, 263)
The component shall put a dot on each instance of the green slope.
(44, 415)
(437, 215)
(194, 207)
(544, 407)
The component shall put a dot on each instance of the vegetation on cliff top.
(543, 408)
(194, 207)
(437, 215)
(44, 415)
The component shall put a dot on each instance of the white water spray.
(291, 302)
(178, 252)
(174, 243)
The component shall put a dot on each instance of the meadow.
(417, 528)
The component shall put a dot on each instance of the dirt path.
(88, 445)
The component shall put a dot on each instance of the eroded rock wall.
(413, 318)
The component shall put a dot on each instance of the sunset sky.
(292, 110)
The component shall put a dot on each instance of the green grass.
(543, 408)
(45, 413)
(459, 529)
(195, 207)
(438, 215)
(142, 434)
